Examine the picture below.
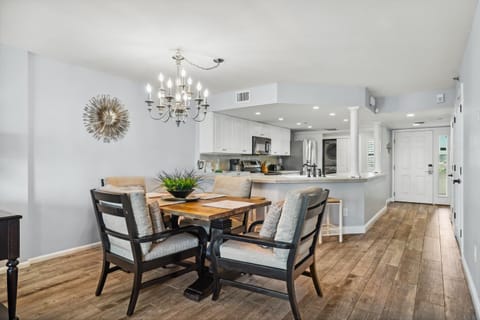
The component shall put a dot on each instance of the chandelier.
(176, 99)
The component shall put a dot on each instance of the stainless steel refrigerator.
(301, 152)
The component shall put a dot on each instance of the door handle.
(450, 175)
(457, 181)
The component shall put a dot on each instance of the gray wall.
(470, 76)
(424, 100)
(61, 159)
(14, 134)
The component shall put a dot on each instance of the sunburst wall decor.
(106, 118)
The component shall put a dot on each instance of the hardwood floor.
(406, 267)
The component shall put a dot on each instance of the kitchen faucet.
(309, 169)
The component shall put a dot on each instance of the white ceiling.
(321, 120)
(392, 47)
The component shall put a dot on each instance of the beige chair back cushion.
(142, 220)
(233, 186)
(125, 181)
(290, 216)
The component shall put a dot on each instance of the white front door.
(457, 166)
(413, 166)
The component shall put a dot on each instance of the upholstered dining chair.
(236, 186)
(285, 257)
(134, 241)
(125, 181)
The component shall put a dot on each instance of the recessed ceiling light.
(410, 115)
(345, 120)
(332, 114)
(258, 113)
(316, 107)
(415, 124)
(309, 127)
(280, 119)
(299, 123)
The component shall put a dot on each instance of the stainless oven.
(261, 145)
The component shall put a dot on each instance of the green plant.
(179, 180)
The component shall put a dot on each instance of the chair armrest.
(254, 240)
(254, 224)
(196, 230)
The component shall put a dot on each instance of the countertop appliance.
(251, 165)
(261, 145)
(235, 165)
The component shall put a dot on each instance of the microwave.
(261, 145)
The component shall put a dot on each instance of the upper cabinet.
(224, 134)
(280, 141)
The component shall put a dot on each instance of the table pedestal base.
(200, 289)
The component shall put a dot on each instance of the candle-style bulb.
(205, 93)
(189, 81)
(178, 97)
(160, 77)
(199, 86)
(183, 73)
(169, 83)
(149, 88)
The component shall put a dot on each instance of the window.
(370, 155)
(442, 165)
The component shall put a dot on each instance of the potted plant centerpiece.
(180, 183)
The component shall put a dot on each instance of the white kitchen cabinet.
(242, 136)
(223, 134)
(280, 141)
(219, 133)
(260, 129)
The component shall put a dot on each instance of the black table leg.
(12, 280)
(203, 287)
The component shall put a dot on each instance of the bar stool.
(328, 228)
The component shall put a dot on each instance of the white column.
(354, 142)
(377, 136)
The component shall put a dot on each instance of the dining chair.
(285, 257)
(125, 181)
(234, 187)
(130, 243)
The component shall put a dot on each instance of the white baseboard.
(62, 253)
(372, 220)
(472, 288)
(353, 229)
(52, 255)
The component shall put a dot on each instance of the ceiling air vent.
(242, 96)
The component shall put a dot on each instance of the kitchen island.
(364, 199)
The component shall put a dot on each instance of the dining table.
(216, 209)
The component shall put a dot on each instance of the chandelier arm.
(200, 120)
(161, 116)
(217, 61)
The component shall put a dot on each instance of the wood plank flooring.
(406, 267)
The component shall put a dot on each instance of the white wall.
(14, 133)
(470, 76)
(66, 162)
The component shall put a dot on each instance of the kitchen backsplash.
(225, 164)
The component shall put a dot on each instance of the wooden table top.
(196, 209)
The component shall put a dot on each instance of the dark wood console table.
(10, 250)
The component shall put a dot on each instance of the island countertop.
(296, 178)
